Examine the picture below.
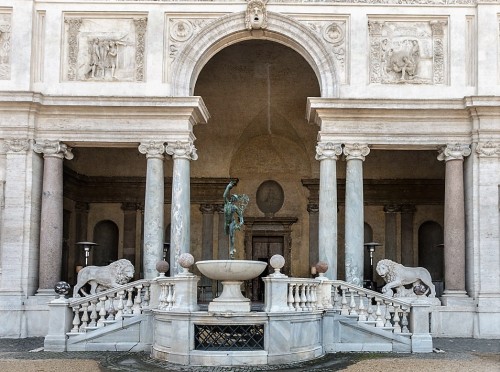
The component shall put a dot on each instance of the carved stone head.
(256, 15)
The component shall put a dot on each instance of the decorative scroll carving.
(334, 33)
(16, 145)
(140, 46)
(152, 149)
(488, 149)
(455, 151)
(99, 49)
(183, 150)
(408, 52)
(5, 47)
(73, 30)
(256, 15)
(53, 148)
(356, 151)
(328, 150)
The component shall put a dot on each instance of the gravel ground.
(453, 355)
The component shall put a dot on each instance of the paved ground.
(454, 355)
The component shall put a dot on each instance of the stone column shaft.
(222, 238)
(327, 153)
(391, 230)
(129, 230)
(354, 213)
(407, 212)
(182, 153)
(153, 207)
(454, 219)
(51, 224)
(313, 210)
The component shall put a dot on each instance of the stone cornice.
(356, 2)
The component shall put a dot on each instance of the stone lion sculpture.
(397, 276)
(102, 278)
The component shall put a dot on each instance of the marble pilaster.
(391, 230)
(407, 213)
(153, 207)
(51, 224)
(454, 219)
(327, 154)
(182, 153)
(354, 212)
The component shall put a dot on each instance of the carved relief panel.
(408, 52)
(180, 29)
(335, 33)
(5, 34)
(104, 49)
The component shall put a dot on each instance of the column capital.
(408, 208)
(182, 150)
(328, 150)
(488, 149)
(152, 149)
(82, 207)
(219, 208)
(312, 208)
(15, 145)
(129, 206)
(54, 149)
(356, 151)
(392, 208)
(453, 151)
(207, 208)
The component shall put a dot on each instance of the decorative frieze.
(104, 49)
(334, 32)
(408, 52)
(488, 149)
(5, 44)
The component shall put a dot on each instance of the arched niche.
(231, 29)
(106, 236)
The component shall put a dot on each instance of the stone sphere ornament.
(321, 268)
(62, 289)
(277, 262)
(186, 260)
(162, 267)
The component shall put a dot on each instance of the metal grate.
(229, 337)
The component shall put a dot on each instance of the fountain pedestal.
(231, 273)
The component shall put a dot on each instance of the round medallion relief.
(270, 197)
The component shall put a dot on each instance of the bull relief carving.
(333, 32)
(403, 52)
(104, 49)
(5, 33)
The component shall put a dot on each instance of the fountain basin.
(231, 273)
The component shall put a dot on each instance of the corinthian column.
(354, 212)
(182, 153)
(51, 224)
(153, 207)
(454, 219)
(327, 153)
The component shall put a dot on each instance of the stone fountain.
(231, 272)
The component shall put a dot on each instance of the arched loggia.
(231, 29)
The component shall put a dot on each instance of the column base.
(46, 292)
(455, 298)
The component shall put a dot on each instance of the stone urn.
(231, 273)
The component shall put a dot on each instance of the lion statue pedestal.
(102, 278)
(398, 276)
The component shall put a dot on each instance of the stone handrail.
(113, 304)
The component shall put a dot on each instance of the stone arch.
(231, 29)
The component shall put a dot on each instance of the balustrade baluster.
(102, 311)
(290, 297)
(379, 322)
(297, 297)
(387, 315)
(336, 304)
(76, 319)
(129, 304)
(120, 306)
(137, 309)
(173, 295)
(345, 309)
(307, 291)
(404, 320)
(352, 304)
(111, 307)
(163, 297)
(93, 314)
(361, 308)
(303, 298)
(396, 319)
(314, 296)
(169, 296)
(146, 297)
(370, 309)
